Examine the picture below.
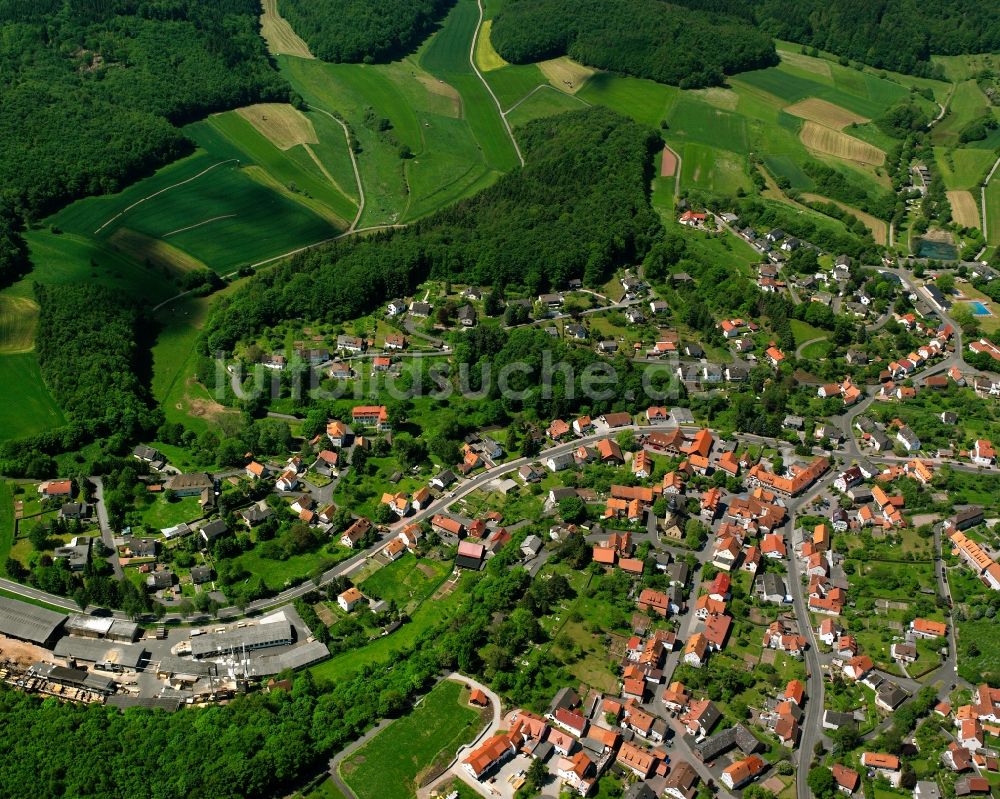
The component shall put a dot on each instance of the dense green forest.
(695, 42)
(90, 91)
(260, 745)
(899, 35)
(579, 209)
(686, 47)
(363, 30)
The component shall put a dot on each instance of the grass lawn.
(386, 648)
(325, 790)
(162, 514)
(993, 209)
(408, 581)
(967, 103)
(29, 407)
(543, 103)
(389, 766)
(278, 574)
(803, 332)
(986, 633)
(646, 101)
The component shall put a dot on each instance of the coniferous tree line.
(363, 30)
(579, 209)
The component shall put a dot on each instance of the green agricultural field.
(861, 93)
(29, 407)
(963, 168)
(389, 765)
(446, 57)
(65, 258)
(963, 67)
(693, 119)
(645, 101)
(513, 82)
(784, 166)
(331, 193)
(435, 105)
(993, 209)
(709, 168)
(543, 103)
(406, 581)
(212, 207)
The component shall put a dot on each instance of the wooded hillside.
(363, 30)
(579, 209)
(645, 38)
(90, 91)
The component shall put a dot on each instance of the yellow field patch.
(818, 66)
(280, 38)
(280, 123)
(566, 74)
(879, 228)
(828, 141)
(833, 116)
(18, 319)
(726, 99)
(487, 58)
(157, 253)
(964, 210)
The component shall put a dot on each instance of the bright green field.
(712, 169)
(436, 106)
(965, 168)
(162, 514)
(447, 58)
(225, 217)
(993, 209)
(543, 103)
(646, 101)
(695, 120)
(28, 407)
(387, 766)
(513, 82)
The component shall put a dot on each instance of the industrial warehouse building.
(29, 622)
(243, 639)
(106, 655)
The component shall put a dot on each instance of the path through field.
(354, 165)
(472, 61)
(161, 191)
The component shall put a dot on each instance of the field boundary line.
(161, 191)
(198, 224)
(472, 63)
(354, 164)
(538, 88)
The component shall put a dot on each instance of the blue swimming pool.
(978, 309)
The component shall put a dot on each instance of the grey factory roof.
(95, 650)
(256, 637)
(102, 627)
(172, 664)
(28, 622)
(296, 658)
(76, 678)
